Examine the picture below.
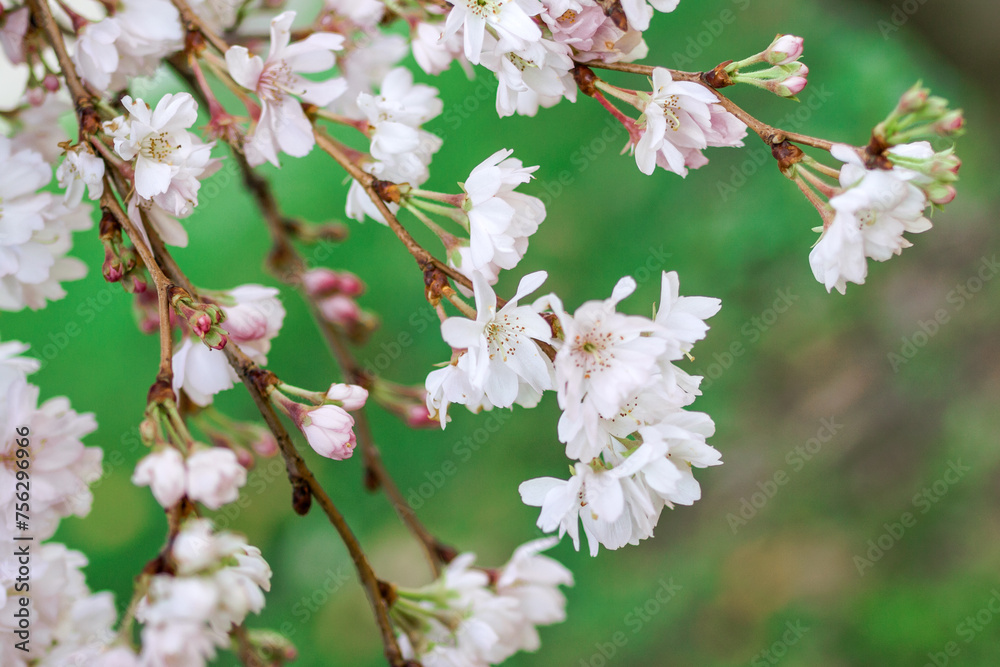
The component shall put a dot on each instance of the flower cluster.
(41, 451)
(35, 231)
(253, 316)
(217, 580)
(474, 618)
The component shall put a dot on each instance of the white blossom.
(169, 160)
(35, 233)
(283, 126)
(61, 466)
(501, 345)
(871, 213)
(81, 170)
(510, 19)
(676, 118)
(501, 220)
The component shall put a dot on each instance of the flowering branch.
(161, 265)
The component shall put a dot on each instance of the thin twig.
(164, 270)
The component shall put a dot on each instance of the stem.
(246, 369)
(424, 259)
(287, 264)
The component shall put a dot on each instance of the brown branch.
(425, 260)
(164, 270)
(288, 265)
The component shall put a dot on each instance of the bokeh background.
(808, 571)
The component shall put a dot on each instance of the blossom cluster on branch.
(274, 80)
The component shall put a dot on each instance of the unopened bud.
(785, 49)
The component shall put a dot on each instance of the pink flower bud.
(943, 196)
(417, 416)
(264, 444)
(350, 396)
(51, 83)
(327, 428)
(201, 325)
(950, 123)
(350, 284)
(912, 100)
(320, 281)
(794, 85)
(784, 49)
(340, 309)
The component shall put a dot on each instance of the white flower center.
(593, 351)
(275, 82)
(486, 9)
(502, 337)
(867, 218)
(157, 147)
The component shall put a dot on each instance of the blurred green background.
(762, 572)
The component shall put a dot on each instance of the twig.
(770, 134)
(164, 270)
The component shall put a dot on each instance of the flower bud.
(340, 309)
(350, 396)
(51, 82)
(320, 282)
(785, 49)
(328, 429)
(350, 284)
(417, 416)
(950, 124)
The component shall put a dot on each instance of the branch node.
(718, 77)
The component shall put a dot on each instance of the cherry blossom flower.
(68, 622)
(537, 75)
(214, 476)
(501, 220)
(283, 126)
(871, 214)
(606, 501)
(169, 160)
(501, 345)
(35, 233)
(165, 473)
(81, 169)
(676, 117)
(509, 19)
(131, 43)
(607, 358)
(638, 12)
(187, 616)
(62, 466)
